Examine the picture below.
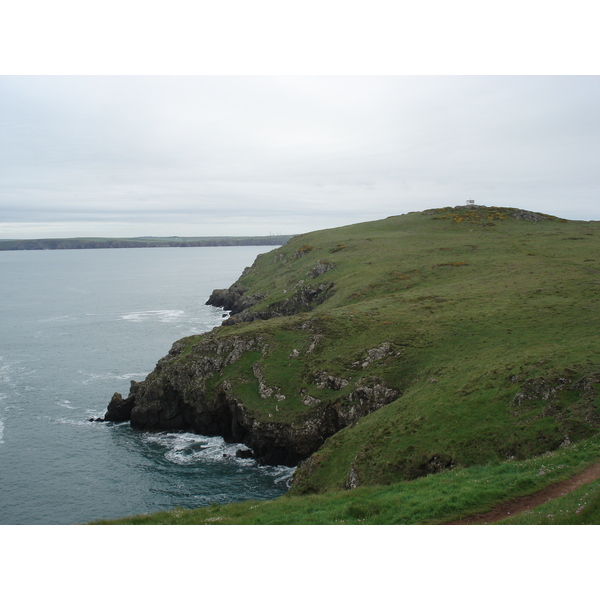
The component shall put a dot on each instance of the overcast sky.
(210, 155)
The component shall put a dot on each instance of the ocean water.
(78, 325)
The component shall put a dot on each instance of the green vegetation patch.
(436, 498)
(487, 338)
(580, 507)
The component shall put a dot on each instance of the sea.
(77, 326)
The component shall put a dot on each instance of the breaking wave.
(165, 316)
(191, 448)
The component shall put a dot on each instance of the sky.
(345, 128)
(260, 155)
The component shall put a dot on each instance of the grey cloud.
(226, 153)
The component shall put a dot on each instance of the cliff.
(219, 389)
(389, 350)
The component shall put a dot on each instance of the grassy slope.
(580, 507)
(433, 499)
(472, 303)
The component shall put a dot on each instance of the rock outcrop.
(180, 394)
(305, 298)
(234, 299)
(119, 409)
(550, 392)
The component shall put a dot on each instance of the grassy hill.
(479, 324)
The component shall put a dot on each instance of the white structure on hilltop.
(470, 202)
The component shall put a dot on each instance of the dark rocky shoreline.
(175, 397)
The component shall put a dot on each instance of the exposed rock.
(352, 481)
(516, 213)
(369, 395)
(234, 299)
(321, 267)
(305, 249)
(539, 389)
(244, 454)
(310, 400)
(377, 353)
(548, 391)
(325, 380)
(303, 300)
(314, 343)
(374, 354)
(175, 396)
(526, 215)
(264, 391)
(119, 408)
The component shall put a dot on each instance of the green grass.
(472, 305)
(433, 499)
(580, 507)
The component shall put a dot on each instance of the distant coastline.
(141, 242)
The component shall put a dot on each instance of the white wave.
(83, 421)
(93, 413)
(58, 319)
(186, 448)
(67, 421)
(90, 377)
(5, 370)
(165, 316)
(65, 404)
(280, 473)
(10, 369)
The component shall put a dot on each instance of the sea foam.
(186, 448)
(165, 316)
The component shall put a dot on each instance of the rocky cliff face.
(364, 312)
(305, 297)
(189, 390)
(181, 394)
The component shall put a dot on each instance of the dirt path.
(509, 509)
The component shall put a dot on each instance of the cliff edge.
(392, 349)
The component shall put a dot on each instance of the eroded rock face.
(234, 299)
(369, 395)
(323, 380)
(119, 409)
(527, 215)
(321, 267)
(305, 298)
(175, 396)
(551, 392)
